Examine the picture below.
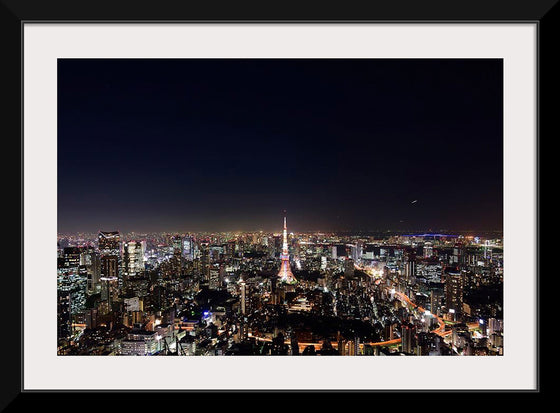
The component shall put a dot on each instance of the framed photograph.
(334, 201)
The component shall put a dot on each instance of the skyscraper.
(285, 273)
(205, 260)
(407, 337)
(64, 317)
(243, 302)
(410, 268)
(176, 260)
(453, 290)
(188, 249)
(89, 258)
(109, 251)
(133, 258)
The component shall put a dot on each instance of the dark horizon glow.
(222, 145)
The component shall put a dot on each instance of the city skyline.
(221, 145)
(236, 294)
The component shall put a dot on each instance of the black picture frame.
(15, 13)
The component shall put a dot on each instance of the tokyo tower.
(285, 273)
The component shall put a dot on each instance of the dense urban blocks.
(228, 294)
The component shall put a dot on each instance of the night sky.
(228, 144)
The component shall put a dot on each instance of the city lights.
(233, 294)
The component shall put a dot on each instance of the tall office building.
(109, 291)
(109, 252)
(177, 243)
(89, 259)
(243, 301)
(214, 281)
(188, 248)
(176, 259)
(109, 242)
(205, 260)
(64, 315)
(133, 258)
(410, 268)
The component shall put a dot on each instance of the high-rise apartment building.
(453, 290)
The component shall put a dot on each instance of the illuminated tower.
(285, 273)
